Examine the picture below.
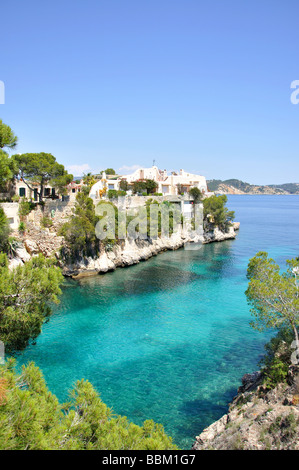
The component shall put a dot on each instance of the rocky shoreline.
(258, 418)
(126, 254)
(133, 252)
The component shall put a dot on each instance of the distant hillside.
(234, 186)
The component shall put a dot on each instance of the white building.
(168, 185)
(100, 188)
(11, 210)
(22, 190)
(172, 184)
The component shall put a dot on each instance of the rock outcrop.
(46, 241)
(126, 254)
(258, 419)
(132, 252)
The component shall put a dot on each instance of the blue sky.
(193, 84)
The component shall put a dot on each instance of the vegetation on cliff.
(26, 294)
(79, 231)
(274, 297)
(216, 213)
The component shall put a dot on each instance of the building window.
(22, 192)
(11, 220)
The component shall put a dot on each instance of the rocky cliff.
(258, 418)
(132, 252)
(45, 241)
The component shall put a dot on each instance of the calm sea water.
(169, 339)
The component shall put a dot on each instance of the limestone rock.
(257, 419)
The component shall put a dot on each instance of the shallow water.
(169, 339)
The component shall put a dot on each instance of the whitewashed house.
(168, 185)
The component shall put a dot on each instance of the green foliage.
(4, 230)
(110, 171)
(7, 137)
(89, 180)
(39, 168)
(61, 182)
(12, 246)
(146, 185)
(31, 418)
(275, 373)
(276, 362)
(216, 212)
(79, 231)
(26, 293)
(25, 207)
(22, 227)
(112, 194)
(8, 140)
(3, 260)
(166, 211)
(5, 169)
(273, 296)
(110, 226)
(123, 185)
(46, 222)
(196, 194)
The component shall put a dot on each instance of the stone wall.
(58, 211)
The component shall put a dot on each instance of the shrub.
(275, 363)
(112, 194)
(26, 293)
(123, 185)
(148, 185)
(32, 418)
(4, 230)
(25, 207)
(46, 222)
(22, 227)
(196, 194)
(216, 212)
(79, 231)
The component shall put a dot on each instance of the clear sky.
(193, 84)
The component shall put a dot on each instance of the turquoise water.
(169, 339)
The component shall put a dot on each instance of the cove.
(169, 339)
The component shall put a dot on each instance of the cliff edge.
(258, 418)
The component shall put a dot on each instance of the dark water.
(169, 339)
